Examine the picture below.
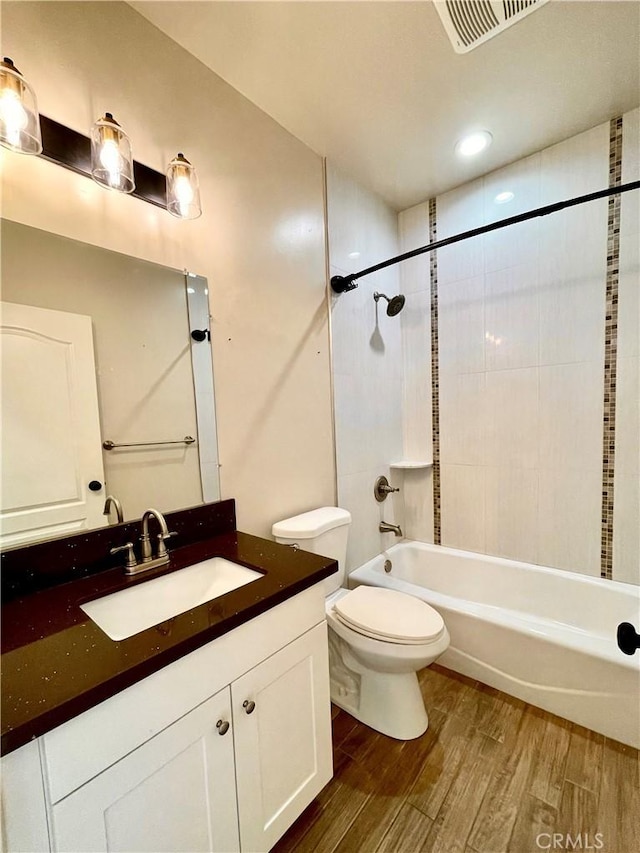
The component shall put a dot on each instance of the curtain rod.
(341, 284)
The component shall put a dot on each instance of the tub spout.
(390, 528)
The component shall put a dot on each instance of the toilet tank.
(322, 531)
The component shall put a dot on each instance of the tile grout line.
(610, 349)
(435, 375)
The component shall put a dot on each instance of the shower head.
(396, 303)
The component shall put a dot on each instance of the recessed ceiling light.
(354, 255)
(474, 143)
(503, 198)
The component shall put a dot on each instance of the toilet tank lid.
(310, 524)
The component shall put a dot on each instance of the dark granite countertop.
(57, 663)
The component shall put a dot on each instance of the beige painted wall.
(260, 241)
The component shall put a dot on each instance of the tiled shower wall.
(367, 361)
(520, 320)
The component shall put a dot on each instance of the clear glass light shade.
(111, 157)
(19, 119)
(183, 191)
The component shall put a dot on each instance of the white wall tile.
(463, 507)
(460, 210)
(413, 225)
(517, 244)
(630, 202)
(346, 390)
(571, 413)
(355, 493)
(572, 322)
(511, 318)
(577, 166)
(626, 528)
(572, 304)
(386, 439)
(511, 505)
(629, 295)
(416, 342)
(628, 417)
(417, 498)
(569, 514)
(522, 179)
(461, 325)
(463, 401)
(512, 418)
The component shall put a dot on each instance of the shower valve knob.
(382, 489)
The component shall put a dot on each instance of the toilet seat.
(389, 616)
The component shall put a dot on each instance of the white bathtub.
(543, 635)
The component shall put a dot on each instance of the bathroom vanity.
(210, 731)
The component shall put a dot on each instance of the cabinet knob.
(249, 706)
(222, 726)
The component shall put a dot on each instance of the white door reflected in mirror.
(50, 425)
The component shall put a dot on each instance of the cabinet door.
(174, 793)
(283, 743)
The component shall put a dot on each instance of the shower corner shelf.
(406, 464)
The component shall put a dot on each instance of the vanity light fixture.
(474, 143)
(19, 119)
(105, 156)
(111, 158)
(183, 191)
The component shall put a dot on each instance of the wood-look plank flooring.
(490, 775)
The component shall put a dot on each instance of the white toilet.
(378, 638)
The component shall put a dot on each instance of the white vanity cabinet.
(282, 745)
(155, 768)
(176, 793)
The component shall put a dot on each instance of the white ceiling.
(377, 88)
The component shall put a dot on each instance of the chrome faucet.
(145, 543)
(113, 501)
(147, 562)
(384, 527)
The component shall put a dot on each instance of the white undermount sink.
(129, 611)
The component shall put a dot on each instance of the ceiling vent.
(471, 22)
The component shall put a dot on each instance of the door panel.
(48, 377)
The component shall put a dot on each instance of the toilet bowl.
(378, 638)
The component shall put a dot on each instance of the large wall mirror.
(98, 347)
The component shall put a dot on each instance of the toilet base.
(390, 703)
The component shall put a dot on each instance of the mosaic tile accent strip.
(611, 349)
(435, 374)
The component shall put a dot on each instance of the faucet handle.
(162, 537)
(131, 557)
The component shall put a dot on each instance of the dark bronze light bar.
(340, 283)
(72, 150)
